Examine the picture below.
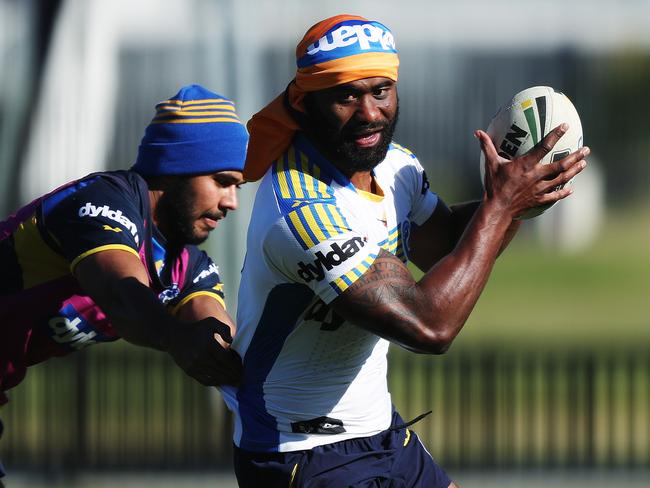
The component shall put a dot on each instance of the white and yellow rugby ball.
(524, 121)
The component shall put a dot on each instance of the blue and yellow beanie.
(194, 132)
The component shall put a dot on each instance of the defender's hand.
(522, 183)
(202, 350)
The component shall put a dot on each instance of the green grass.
(598, 296)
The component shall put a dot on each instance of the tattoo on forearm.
(388, 302)
(387, 284)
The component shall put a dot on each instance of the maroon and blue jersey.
(43, 310)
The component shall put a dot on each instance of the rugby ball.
(524, 121)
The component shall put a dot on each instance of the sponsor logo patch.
(336, 255)
(90, 210)
(320, 425)
(367, 36)
(212, 269)
(68, 332)
(169, 293)
(114, 229)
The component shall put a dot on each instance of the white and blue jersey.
(311, 378)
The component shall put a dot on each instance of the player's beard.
(175, 214)
(337, 144)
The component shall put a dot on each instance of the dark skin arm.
(436, 238)
(426, 316)
(197, 339)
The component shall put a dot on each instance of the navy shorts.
(394, 458)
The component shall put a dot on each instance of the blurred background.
(549, 383)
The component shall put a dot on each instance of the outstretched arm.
(118, 283)
(426, 316)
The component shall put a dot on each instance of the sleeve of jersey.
(316, 246)
(424, 201)
(96, 217)
(202, 280)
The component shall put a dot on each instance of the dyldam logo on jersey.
(346, 35)
(336, 256)
(212, 269)
(90, 210)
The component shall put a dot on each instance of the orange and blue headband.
(338, 50)
(345, 48)
(348, 38)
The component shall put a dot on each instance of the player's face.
(353, 124)
(193, 206)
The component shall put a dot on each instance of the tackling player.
(114, 254)
(325, 289)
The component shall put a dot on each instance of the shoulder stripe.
(336, 216)
(299, 231)
(326, 217)
(107, 247)
(307, 180)
(315, 223)
(343, 282)
(295, 177)
(189, 297)
(311, 225)
(307, 203)
(394, 244)
(280, 179)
